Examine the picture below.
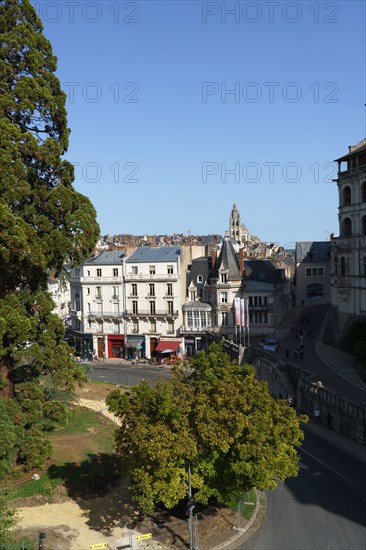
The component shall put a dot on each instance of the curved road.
(323, 508)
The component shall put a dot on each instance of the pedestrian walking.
(317, 415)
(330, 421)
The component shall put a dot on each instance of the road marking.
(330, 468)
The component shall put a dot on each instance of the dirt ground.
(70, 526)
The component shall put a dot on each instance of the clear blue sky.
(140, 103)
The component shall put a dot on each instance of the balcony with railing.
(151, 277)
(150, 313)
(111, 280)
(194, 329)
(104, 314)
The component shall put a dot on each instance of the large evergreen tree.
(220, 420)
(43, 220)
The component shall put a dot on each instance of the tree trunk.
(5, 371)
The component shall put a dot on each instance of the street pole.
(190, 509)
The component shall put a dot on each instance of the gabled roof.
(228, 261)
(107, 257)
(154, 254)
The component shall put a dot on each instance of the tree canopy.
(44, 221)
(220, 420)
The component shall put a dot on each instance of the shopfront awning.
(167, 347)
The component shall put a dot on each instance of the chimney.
(213, 256)
(241, 261)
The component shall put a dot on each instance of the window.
(134, 270)
(134, 289)
(170, 269)
(343, 265)
(308, 272)
(98, 292)
(88, 291)
(135, 326)
(363, 225)
(315, 290)
(321, 271)
(134, 307)
(169, 289)
(347, 227)
(115, 292)
(77, 272)
(224, 319)
(223, 278)
(152, 326)
(151, 289)
(152, 270)
(170, 307)
(115, 272)
(224, 297)
(152, 308)
(88, 305)
(335, 263)
(88, 273)
(192, 295)
(347, 196)
(199, 279)
(99, 272)
(170, 329)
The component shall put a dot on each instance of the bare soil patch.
(96, 390)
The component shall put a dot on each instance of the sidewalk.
(337, 439)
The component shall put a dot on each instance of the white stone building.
(153, 309)
(97, 306)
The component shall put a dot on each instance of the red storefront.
(116, 346)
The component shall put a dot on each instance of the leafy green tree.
(8, 518)
(220, 420)
(44, 221)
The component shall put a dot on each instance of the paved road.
(127, 375)
(323, 508)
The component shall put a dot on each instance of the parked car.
(270, 345)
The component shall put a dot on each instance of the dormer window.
(223, 278)
(199, 279)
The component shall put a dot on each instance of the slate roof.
(145, 254)
(228, 259)
(200, 266)
(263, 271)
(107, 257)
(312, 251)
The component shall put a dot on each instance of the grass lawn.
(82, 460)
(246, 509)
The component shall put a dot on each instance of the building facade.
(97, 306)
(313, 262)
(153, 307)
(348, 292)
